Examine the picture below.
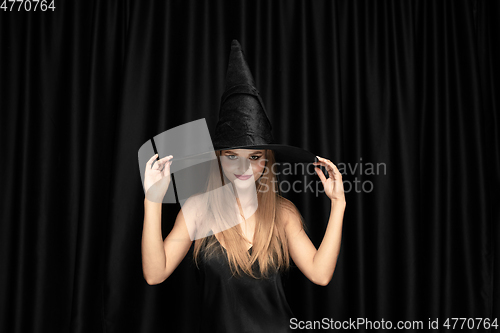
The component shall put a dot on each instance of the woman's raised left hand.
(333, 185)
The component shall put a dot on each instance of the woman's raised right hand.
(157, 178)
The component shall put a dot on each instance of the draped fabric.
(401, 95)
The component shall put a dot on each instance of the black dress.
(240, 304)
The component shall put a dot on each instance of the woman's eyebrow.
(232, 152)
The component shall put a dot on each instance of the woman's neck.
(247, 201)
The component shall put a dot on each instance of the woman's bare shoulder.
(287, 209)
(195, 205)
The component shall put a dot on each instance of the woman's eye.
(234, 157)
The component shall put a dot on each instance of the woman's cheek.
(225, 163)
(229, 168)
(225, 168)
(258, 168)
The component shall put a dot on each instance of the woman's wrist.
(148, 202)
(338, 202)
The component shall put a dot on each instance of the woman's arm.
(325, 259)
(161, 257)
(319, 265)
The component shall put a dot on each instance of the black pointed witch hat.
(243, 121)
(243, 124)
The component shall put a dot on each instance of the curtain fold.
(401, 95)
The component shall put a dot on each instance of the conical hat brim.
(283, 153)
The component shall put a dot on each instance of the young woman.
(245, 232)
(241, 264)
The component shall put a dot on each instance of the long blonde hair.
(270, 244)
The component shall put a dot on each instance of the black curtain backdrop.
(413, 85)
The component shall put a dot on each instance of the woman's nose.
(243, 166)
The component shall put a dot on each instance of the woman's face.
(243, 166)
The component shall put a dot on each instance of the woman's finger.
(328, 165)
(332, 170)
(165, 162)
(166, 158)
(322, 163)
(166, 168)
(156, 165)
(151, 160)
(321, 175)
(337, 172)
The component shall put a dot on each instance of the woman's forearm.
(153, 252)
(325, 258)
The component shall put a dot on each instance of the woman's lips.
(243, 177)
